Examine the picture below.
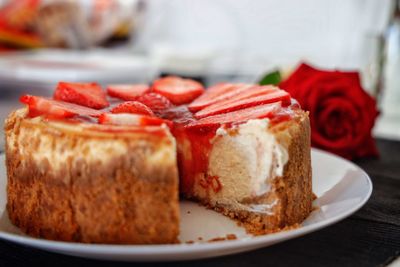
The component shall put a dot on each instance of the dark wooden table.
(371, 237)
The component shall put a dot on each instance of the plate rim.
(76, 248)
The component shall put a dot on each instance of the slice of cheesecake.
(252, 164)
(258, 171)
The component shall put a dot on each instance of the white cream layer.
(245, 159)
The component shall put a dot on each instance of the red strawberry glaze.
(212, 182)
(194, 147)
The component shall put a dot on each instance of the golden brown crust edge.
(293, 189)
(130, 198)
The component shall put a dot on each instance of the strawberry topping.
(179, 114)
(84, 94)
(223, 103)
(272, 96)
(250, 92)
(156, 102)
(178, 90)
(217, 93)
(127, 91)
(133, 107)
(258, 112)
(131, 119)
(55, 109)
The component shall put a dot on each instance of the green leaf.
(271, 78)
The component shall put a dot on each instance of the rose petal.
(302, 72)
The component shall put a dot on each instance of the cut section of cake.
(251, 164)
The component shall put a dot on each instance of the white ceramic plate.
(40, 70)
(341, 187)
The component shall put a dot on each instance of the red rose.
(342, 114)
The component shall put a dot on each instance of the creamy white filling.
(245, 159)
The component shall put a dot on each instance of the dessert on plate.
(97, 166)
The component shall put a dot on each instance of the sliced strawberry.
(85, 94)
(133, 107)
(251, 92)
(156, 102)
(127, 91)
(274, 96)
(131, 119)
(240, 94)
(258, 112)
(179, 114)
(219, 93)
(55, 109)
(178, 90)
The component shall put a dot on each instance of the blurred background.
(134, 41)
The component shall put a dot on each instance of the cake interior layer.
(257, 172)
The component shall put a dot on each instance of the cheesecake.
(109, 166)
